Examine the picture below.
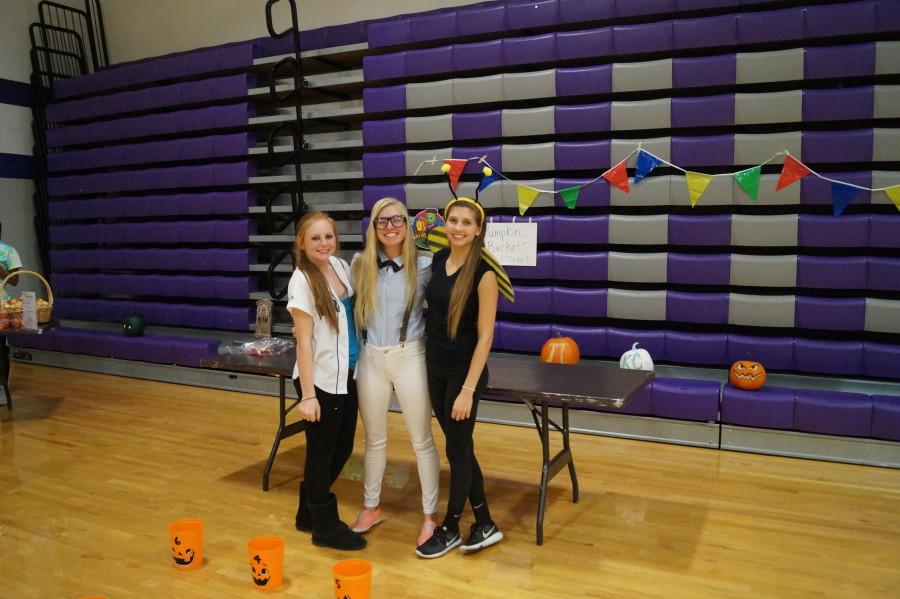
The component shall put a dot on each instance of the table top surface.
(42, 326)
(516, 376)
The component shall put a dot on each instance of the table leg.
(545, 472)
(284, 430)
(568, 450)
(5, 379)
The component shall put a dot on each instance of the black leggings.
(329, 442)
(445, 381)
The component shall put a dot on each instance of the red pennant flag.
(454, 168)
(793, 170)
(618, 176)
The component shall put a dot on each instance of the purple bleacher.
(515, 336)
(477, 125)
(483, 18)
(493, 155)
(828, 357)
(840, 19)
(591, 341)
(233, 231)
(883, 230)
(580, 266)
(430, 61)
(592, 192)
(383, 164)
(528, 50)
(189, 231)
(384, 66)
(587, 229)
(705, 32)
(433, 26)
(705, 150)
(645, 37)
(698, 269)
(542, 270)
(198, 316)
(850, 230)
(775, 353)
(583, 118)
(825, 272)
(232, 173)
(589, 303)
(584, 80)
(838, 104)
(700, 230)
(768, 407)
(770, 26)
(886, 417)
(685, 399)
(620, 341)
(697, 348)
(883, 274)
(529, 300)
(588, 43)
(632, 8)
(888, 16)
(233, 319)
(707, 308)
(705, 111)
(384, 99)
(527, 14)
(856, 60)
(704, 71)
(581, 155)
(881, 360)
(477, 55)
(833, 413)
(388, 32)
(814, 190)
(579, 11)
(373, 193)
(829, 313)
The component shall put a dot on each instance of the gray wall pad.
(761, 310)
(882, 315)
(764, 271)
(637, 305)
(639, 230)
(636, 76)
(760, 67)
(775, 107)
(637, 268)
(778, 230)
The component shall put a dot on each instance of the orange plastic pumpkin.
(259, 571)
(560, 350)
(181, 553)
(747, 375)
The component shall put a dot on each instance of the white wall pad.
(652, 191)
(720, 192)
(762, 67)
(887, 58)
(761, 310)
(645, 114)
(414, 158)
(883, 179)
(636, 305)
(637, 268)
(659, 146)
(887, 101)
(882, 316)
(639, 230)
(753, 148)
(524, 158)
(426, 195)
(525, 86)
(427, 95)
(429, 128)
(476, 90)
(528, 121)
(772, 231)
(639, 76)
(767, 196)
(763, 271)
(774, 107)
(886, 145)
(510, 197)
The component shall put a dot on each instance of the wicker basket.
(44, 313)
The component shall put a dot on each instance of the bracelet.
(472, 389)
(310, 397)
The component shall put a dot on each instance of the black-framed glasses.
(381, 222)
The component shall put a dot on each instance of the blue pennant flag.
(841, 196)
(487, 180)
(646, 162)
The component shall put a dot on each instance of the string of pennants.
(842, 193)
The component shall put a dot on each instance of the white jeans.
(401, 367)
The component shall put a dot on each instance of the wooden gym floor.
(93, 467)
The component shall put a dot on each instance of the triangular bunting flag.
(526, 197)
(487, 180)
(570, 196)
(793, 170)
(454, 168)
(749, 181)
(894, 194)
(841, 196)
(618, 176)
(645, 163)
(696, 184)
(437, 240)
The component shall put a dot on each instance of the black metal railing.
(86, 23)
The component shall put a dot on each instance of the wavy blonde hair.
(321, 293)
(464, 285)
(365, 268)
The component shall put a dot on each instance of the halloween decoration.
(352, 579)
(186, 543)
(636, 359)
(560, 350)
(133, 325)
(748, 375)
(259, 571)
(266, 556)
(423, 223)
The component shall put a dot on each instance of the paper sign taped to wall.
(513, 244)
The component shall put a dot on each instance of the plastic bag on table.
(267, 346)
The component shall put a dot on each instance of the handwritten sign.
(514, 244)
(29, 311)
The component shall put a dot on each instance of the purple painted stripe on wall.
(16, 166)
(14, 92)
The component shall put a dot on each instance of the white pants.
(401, 367)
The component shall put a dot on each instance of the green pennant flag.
(570, 196)
(749, 181)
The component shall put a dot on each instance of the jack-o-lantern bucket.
(352, 579)
(266, 562)
(745, 374)
(186, 543)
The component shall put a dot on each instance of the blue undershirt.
(353, 344)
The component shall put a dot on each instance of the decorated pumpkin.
(636, 359)
(745, 374)
(182, 553)
(560, 350)
(259, 571)
(133, 326)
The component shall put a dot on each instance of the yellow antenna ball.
(488, 171)
(445, 168)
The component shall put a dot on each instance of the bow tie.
(389, 264)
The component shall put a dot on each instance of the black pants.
(329, 442)
(445, 381)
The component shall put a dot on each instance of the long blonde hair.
(463, 287)
(365, 268)
(317, 282)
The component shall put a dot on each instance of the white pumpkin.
(636, 359)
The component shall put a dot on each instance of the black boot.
(303, 520)
(329, 531)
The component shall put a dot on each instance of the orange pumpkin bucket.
(266, 562)
(352, 579)
(186, 543)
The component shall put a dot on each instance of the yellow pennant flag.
(526, 196)
(696, 184)
(894, 194)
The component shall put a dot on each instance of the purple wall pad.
(849, 230)
(831, 314)
(699, 269)
(706, 32)
(583, 118)
(595, 193)
(704, 71)
(584, 80)
(856, 60)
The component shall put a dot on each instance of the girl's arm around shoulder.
(423, 268)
